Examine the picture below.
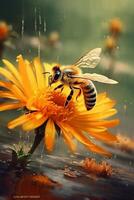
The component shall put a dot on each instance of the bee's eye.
(57, 75)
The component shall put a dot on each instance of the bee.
(73, 77)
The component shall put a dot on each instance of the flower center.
(52, 104)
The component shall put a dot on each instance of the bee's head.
(56, 74)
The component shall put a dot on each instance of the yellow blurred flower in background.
(27, 87)
(110, 43)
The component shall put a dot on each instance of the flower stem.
(39, 134)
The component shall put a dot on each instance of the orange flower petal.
(32, 78)
(49, 138)
(10, 106)
(29, 121)
(18, 121)
(107, 124)
(33, 123)
(87, 124)
(104, 136)
(99, 115)
(13, 70)
(84, 140)
(9, 76)
(5, 94)
(18, 93)
(6, 85)
(99, 126)
(99, 133)
(15, 91)
(68, 138)
(39, 74)
(24, 76)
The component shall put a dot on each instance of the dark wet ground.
(120, 186)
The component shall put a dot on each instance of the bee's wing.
(96, 77)
(90, 59)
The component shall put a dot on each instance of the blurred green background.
(82, 25)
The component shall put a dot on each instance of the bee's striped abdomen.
(89, 92)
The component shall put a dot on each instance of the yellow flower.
(115, 26)
(4, 30)
(110, 43)
(27, 87)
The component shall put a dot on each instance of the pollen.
(52, 104)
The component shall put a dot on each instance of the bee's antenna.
(46, 72)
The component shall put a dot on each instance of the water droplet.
(22, 26)
(45, 26)
(39, 19)
(35, 20)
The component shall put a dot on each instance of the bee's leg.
(62, 88)
(69, 96)
(59, 86)
(49, 80)
(79, 93)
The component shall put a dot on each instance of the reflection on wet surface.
(59, 176)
